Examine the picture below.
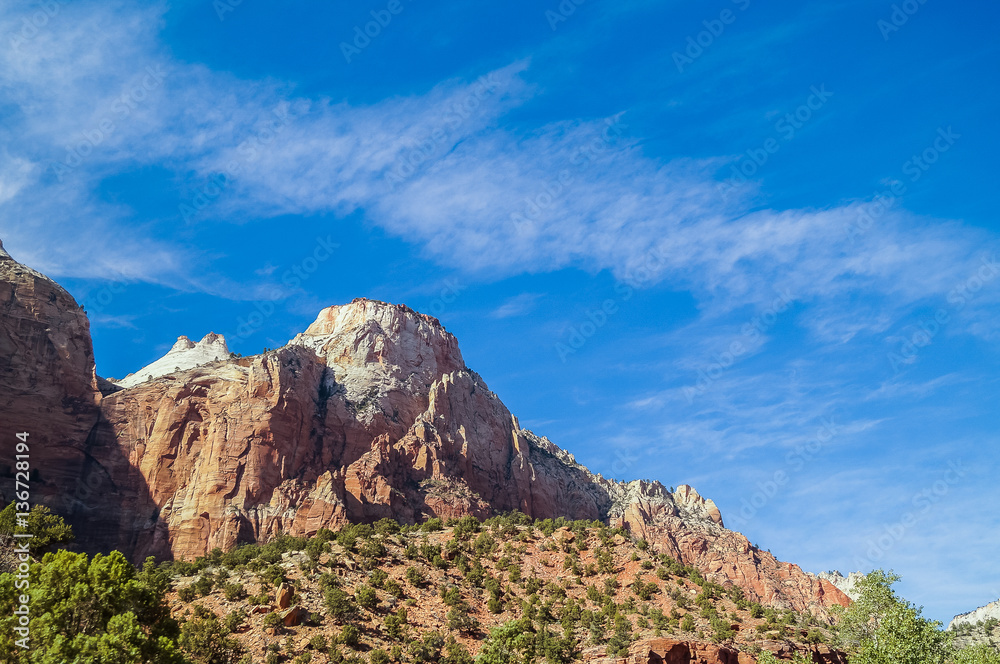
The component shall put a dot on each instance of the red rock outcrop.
(48, 389)
(369, 413)
(672, 651)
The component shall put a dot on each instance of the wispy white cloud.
(519, 305)
(438, 169)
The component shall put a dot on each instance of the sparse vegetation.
(541, 590)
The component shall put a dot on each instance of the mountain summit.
(370, 412)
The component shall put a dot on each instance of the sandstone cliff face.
(369, 413)
(49, 388)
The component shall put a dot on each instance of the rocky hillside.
(979, 626)
(580, 590)
(370, 413)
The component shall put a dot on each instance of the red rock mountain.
(369, 413)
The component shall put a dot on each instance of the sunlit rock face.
(368, 413)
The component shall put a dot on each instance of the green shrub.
(234, 620)
(395, 624)
(378, 578)
(47, 528)
(427, 649)
(339, 604)
(234, 591)
(394, 589)
(431, 525)
(203, 585)
(350, 636)
(206, 641)
(366, 597)
(83, 606)
(386, 527)
(273, 620)
(415, 576)
(461, 620)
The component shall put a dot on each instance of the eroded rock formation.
(675, 651)
(369, 413)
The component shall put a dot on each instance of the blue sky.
(747, 246)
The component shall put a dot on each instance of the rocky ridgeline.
(845, 584)
(982, 614)
(369, 413)
(185, 354)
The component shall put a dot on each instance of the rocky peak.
(184, 354)
(991, 610)
(368, 413)
(688, 498)
(845, 584)
(375, 348)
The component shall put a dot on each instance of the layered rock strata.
(371, 412)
